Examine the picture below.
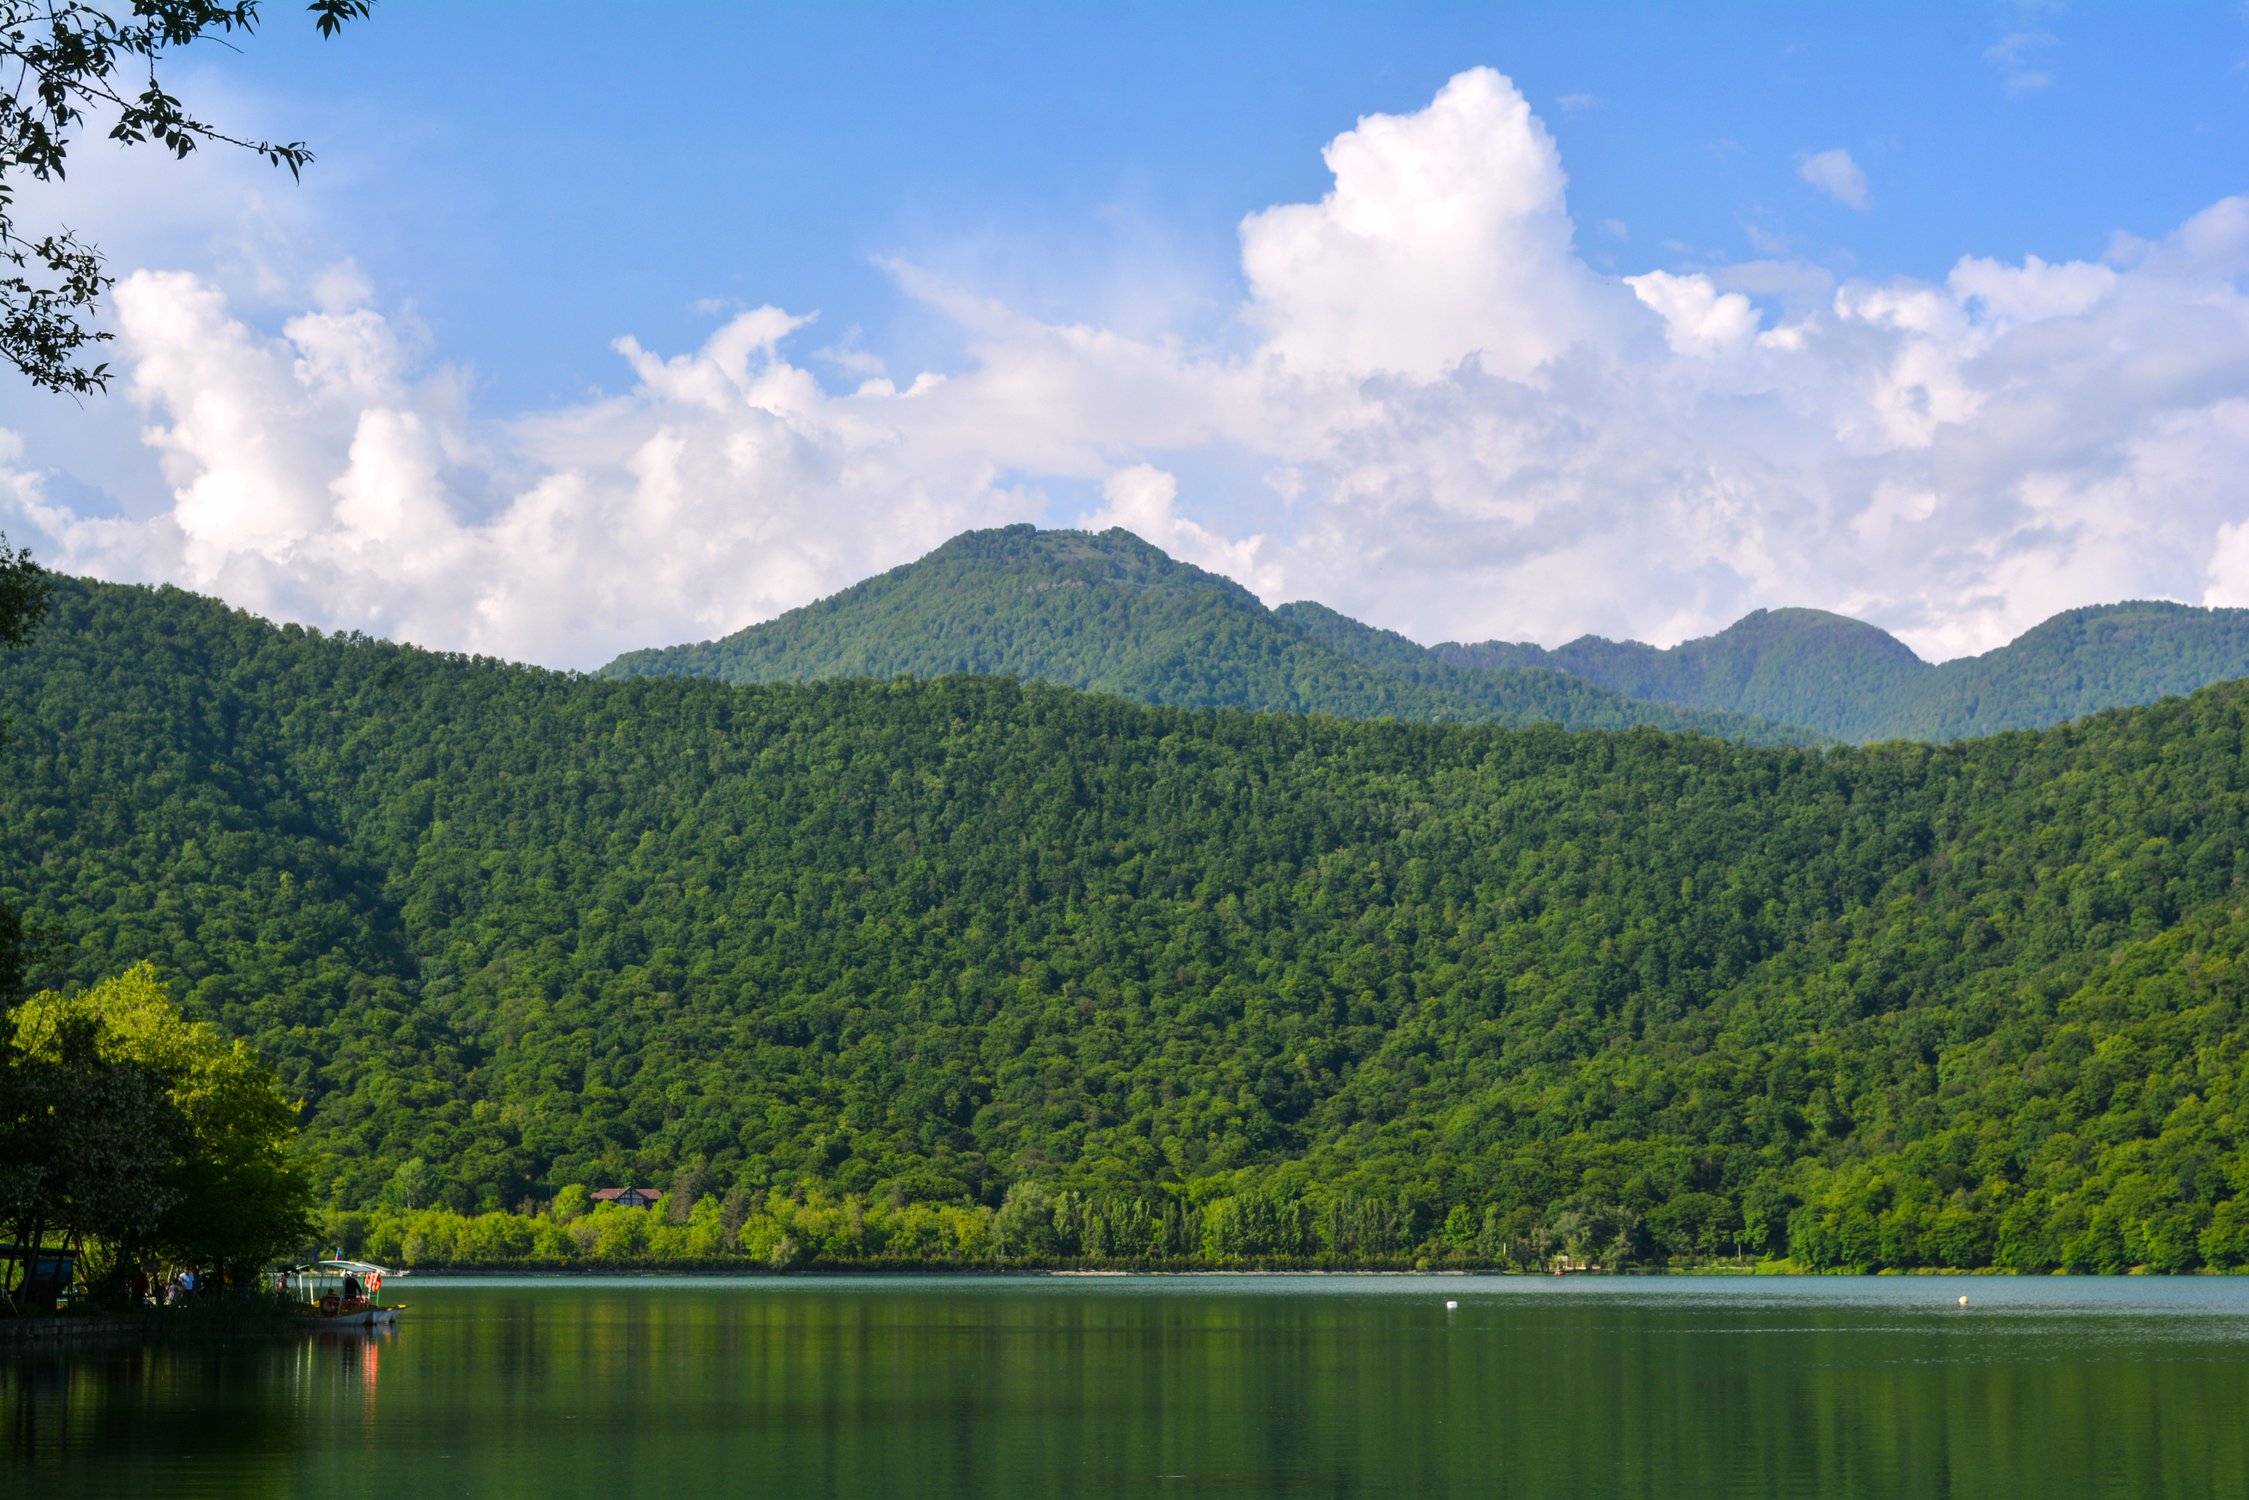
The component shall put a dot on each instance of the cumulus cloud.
(312, 478)
(1463, 431)
(1697, 317)
(1445, 237)
(1837, 175)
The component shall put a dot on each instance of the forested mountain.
(1111, 614)
(1194, 986)
(1854, 682)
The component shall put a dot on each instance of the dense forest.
(968, 969)
(1111, 614)
(1853, 682)
(131, 1136)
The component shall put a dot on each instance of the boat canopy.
(339, 1267)
(350, 1283)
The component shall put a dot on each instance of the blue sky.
(541, 177)
(504, 190)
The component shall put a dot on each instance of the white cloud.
(1697, 317)
(1444, 421)
(1143, 499)
(2032, 290)
(310, 479)
(1445, 237)
(1837, 175)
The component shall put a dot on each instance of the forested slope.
(1109, 613)
(1195, 986)
(1847, 679)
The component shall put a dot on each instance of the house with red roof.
(627, 1197)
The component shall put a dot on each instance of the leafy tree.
(1025, 1225)
(413, 1184)
(690, 1184)
(200, 1165)
(23, 594)
(87, 1140)
(68, 58)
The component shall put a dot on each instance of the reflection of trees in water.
(1527, 1389)
(251, 1409)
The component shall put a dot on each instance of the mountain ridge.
(1109, 612)
(1856, 682)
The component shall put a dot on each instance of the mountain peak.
(1112, 556)
(1108, 612)
(1798, 628)
(1855, 681)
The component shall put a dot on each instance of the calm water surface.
(1252, 1387)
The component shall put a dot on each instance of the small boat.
(340, 1293)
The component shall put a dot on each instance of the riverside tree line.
(969, 971)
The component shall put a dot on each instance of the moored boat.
(340, 1293)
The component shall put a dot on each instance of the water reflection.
(336, 1374)
(217, 1418)
(1330, 1387)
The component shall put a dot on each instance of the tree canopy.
(1111, 614)
(901, 964)
(23, 603)
(1845, 678)
(69, 59)
(123, 1122)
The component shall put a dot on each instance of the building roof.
(611, 1195)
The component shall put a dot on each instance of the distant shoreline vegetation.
(1039, 1229)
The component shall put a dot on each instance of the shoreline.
(1767, 1271)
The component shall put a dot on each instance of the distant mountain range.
(1110, 613)
(1850, 680)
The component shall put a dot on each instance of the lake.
(1177, 1386)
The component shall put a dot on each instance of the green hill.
(1111, 614)
(1854, 682)
(973, 967)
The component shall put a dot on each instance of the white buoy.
(1452, 1306)
(1963, 1301)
